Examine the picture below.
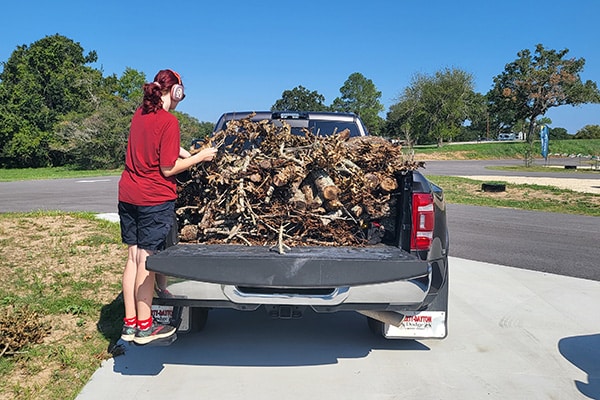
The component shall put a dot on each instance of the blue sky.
(241, 55)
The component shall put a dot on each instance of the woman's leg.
(161, 282)
(129, 279)
(144, 284)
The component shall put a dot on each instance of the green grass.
(525, 197)
(25, 174)
(538, 168)
(515, 150)
(478, 151)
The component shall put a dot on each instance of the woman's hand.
(207, 154)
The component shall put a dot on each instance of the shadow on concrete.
(584, 353)
(252, 339)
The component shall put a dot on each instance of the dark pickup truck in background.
(400, 284)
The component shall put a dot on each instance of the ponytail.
(153, 91)
(152, 98)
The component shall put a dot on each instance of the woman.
(147, 194)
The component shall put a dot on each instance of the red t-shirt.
(154, 142)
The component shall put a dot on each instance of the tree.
(559, 134)
(94, 141)
(99, 139)
(360, 96)
(532, 84)
(450, 101)
(436, 107)
(588, 132)
(40, 84)
(55, 110)
(407, 114)
(192, 129)
(478, 124)
(300, 99)
(129, 86)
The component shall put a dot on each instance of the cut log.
(298, 200)
(265, 164)
(189, 233)
(312, 201)
(325, 185)
(388, 184)
(371, 181)
(256, 177)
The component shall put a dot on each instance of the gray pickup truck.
(400, 284)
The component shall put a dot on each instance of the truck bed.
(299, 267)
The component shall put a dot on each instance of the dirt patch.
(49, 251)
(66, 268)
(577, 185)
(441, 156)
(466, 190)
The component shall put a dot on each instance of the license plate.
(415, 324)
(164, 315)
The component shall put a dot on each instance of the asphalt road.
(480, 167)
(562, 244)
(97, 194)
(549, 242)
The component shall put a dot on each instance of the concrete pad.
(112, 217)
(513, 334)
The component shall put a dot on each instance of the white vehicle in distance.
(506, 136)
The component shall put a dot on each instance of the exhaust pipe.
(387, 317)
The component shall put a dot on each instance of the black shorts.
(149, 227)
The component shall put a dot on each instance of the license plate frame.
(418, 325)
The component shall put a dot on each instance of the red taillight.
(422, 221)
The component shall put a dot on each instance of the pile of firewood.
(268, 186)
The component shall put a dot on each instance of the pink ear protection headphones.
(177, 93)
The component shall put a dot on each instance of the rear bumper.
(393, 296)
(387, 296)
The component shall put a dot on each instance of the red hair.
(163, 81)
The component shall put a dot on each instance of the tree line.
(56, 110)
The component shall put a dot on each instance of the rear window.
(319, 127)
(326, 128)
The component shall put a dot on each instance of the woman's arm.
(183, 153)
(182, 164)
